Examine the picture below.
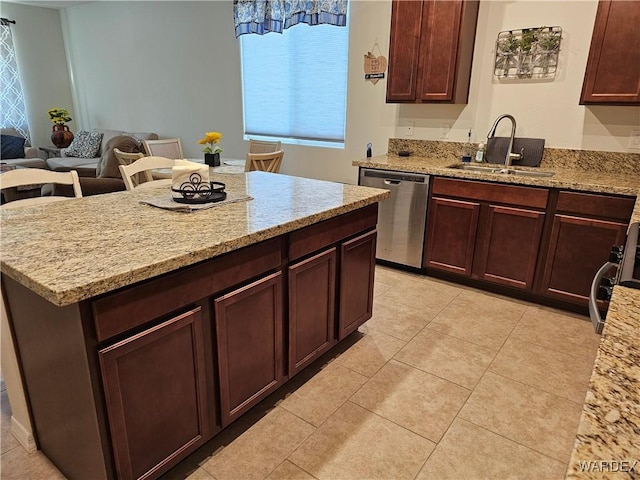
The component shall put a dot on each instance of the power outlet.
(444, 130)
(634, 140)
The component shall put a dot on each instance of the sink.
(502, 170)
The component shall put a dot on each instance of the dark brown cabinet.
(431, 50)
(249, 344)
(312, 296)
(613, 67)
(510, 245)
(585, 227)
(451, 234)
(357, 259)
(155, 386)
(485, 231)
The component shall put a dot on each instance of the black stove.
(629, 263)
(626, 258)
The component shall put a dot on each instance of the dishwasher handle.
(389, 181)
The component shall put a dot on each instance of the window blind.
(295, 84)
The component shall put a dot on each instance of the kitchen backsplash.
(584, 160)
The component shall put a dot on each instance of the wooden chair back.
(144, 165)
(34, 176)
(266, 162)
(259, 146)
(126, 158)
(167, 148)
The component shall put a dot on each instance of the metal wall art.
(528, 53)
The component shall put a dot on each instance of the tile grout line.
(540, 389)
(546, 455)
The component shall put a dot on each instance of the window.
(295, 84)
(14, 114)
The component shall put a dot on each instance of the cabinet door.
(431, 50)
(510, 244)
(404, 45)
(613, 66)
(357, 267)
(439, 50)
(155, 386)
(577, 249)
(451, 235)
(312, 295)
(249, 339)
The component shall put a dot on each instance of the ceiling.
(49, 3)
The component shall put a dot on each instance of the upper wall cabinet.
(431, 49)
(613, 67)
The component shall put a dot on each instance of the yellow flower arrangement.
(211, 140)
(59, 115)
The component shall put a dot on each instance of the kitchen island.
(142, 332)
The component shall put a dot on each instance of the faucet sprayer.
(510, 155)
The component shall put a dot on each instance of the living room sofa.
(100, 174)
(30, 157)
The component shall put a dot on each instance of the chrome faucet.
(510, 155)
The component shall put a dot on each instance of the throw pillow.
(11, 147)
(84, 145)
(108, 164)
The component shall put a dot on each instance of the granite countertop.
(608, 440)
(73, 250)
(587, 181)
(609, 431)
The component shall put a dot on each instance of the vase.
(61, 136)
(212, 159)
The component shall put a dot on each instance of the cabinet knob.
(604, 293)
(616, 253)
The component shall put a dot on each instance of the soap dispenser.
(480, 153)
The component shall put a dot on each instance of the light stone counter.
(597, 182)
(608, 440)
(73, 250)
(609, 431)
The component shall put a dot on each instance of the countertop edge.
(443, 168)
(67, 297)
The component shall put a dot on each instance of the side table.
(51, 152)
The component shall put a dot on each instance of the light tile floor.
(445, 381)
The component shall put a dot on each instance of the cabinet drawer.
(590, 204)
(314, 237)
(134, 306)
(491, 192)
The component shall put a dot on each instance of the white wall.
(37, 37)
(173, 68)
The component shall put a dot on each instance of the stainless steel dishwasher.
(402, 216)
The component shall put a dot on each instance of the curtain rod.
(6, 21)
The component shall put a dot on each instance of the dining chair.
(35, 176)
(259, 146)
(126, 158)
(266, 162)
(167, 148)
(144, 166)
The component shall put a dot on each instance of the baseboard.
(22, 435)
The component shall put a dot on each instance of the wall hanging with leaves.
(528, 53)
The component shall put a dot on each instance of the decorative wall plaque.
(374, 67)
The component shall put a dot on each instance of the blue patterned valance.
(264, 16)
